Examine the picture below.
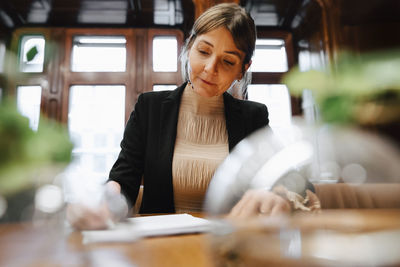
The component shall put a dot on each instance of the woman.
(175, 140)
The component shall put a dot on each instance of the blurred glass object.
(28, 102)
(98, 54)
(269, 56)
(341, 238)
(165, 54)
(32, 52)
(290, 243)
(81, 186)
(319, 154)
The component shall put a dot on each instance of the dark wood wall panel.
(142, 67)
(362, 38)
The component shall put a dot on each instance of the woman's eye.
(229, 62)
(203, 52)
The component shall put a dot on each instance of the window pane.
(96, 121)
(99, 54)
(163, 87)
(165, 53)
(277, 99)
(2, 56)
(311, 60)
(28, 103)
(32, 53)
(269, 56)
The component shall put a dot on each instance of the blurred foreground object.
(351, 155)
(355, 172)
(358, 99)
(359, 89)
(319, 154)
(330, 238)
(28, 159)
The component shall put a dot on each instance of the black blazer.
(149, 139)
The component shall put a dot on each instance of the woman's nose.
(211, 65)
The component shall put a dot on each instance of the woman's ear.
(245, 68)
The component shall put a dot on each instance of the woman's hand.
(112, 208)
(83, 217)
(256, 202)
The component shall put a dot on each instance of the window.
(165, 53)
(164, 72)
(98, 54)
(96, 121)
(272, 58)
(311, 60)
(276, 97)
(31, 56)
(28, 103)
(269, 56)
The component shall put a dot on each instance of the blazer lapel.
(234, 121)
(169, 119)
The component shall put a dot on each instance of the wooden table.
(52, 244)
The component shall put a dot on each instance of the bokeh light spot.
(354, 173)
(49, 198)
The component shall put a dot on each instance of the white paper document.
(138, 227)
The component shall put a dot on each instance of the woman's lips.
(206, 82)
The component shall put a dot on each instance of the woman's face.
(214, 62)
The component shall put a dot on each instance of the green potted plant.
(360, 90)
(28, 158)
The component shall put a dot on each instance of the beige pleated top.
(200, 147)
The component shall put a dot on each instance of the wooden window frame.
(168, 78)
(57, 77)
(276, 77)
(126, 78)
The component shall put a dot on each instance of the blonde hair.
(235, 19)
